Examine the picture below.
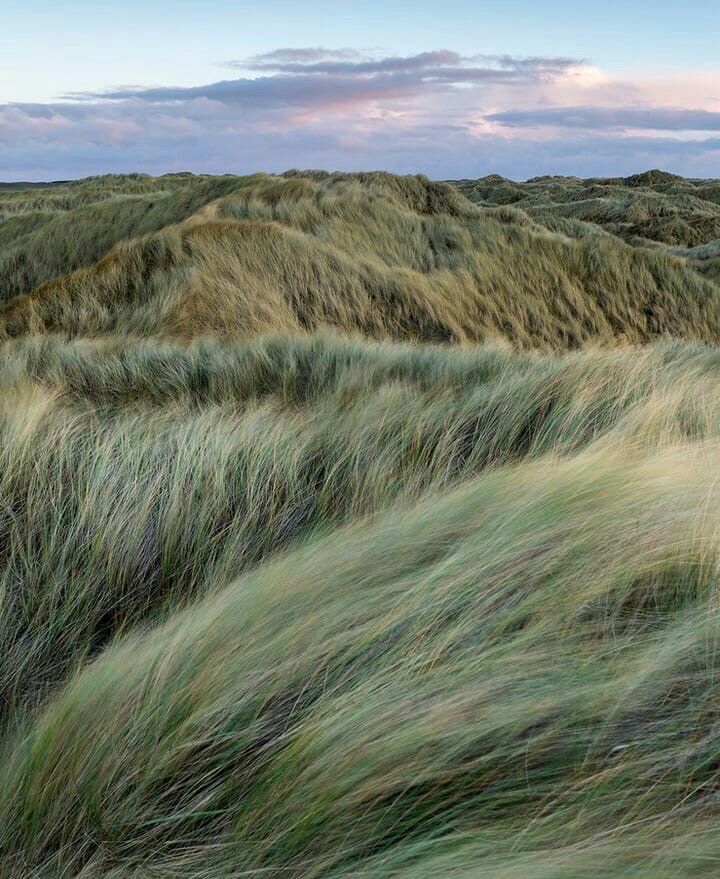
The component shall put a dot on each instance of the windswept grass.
(518, 676)
(285, 593)
(384, 257)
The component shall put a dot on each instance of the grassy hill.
(356, 525)
(401, 259)
(654, 209)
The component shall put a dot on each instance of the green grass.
(287, 591)
(646, 208)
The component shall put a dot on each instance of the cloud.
(271, 92)
(355, 66)
(347, 61)
(603, 118)
(436, 112)
(319, 78)
(530, 64)
(301, 56)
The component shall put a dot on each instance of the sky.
(449, 88)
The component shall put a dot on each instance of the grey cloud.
(315, 61)
(479, 74)
(305, 55)
(315, 83)
(267, 92)
(603, 118)
(533, 63)
(423, 61)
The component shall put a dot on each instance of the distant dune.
(551, 264)
(20, 185)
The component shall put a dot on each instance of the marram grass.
(367, 254)
(512, 675)
(281, 597)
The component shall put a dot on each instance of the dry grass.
(390, 258)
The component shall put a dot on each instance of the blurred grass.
(524, 666)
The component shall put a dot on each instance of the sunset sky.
(450, 89)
